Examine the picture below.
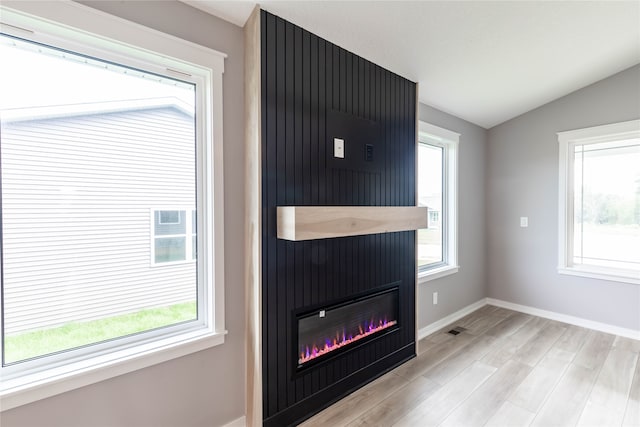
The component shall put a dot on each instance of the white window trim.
(450, 141)
(77, 25)
(567, 140)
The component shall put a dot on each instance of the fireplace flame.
(341, 340)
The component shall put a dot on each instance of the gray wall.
(467, 286)
(204, 388)
(522, 180)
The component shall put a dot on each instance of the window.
(170, 230)
(437, 190)
(434, 219)
(600, 202)
(98, 129)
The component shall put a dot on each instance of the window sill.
(603, 274)
(437, 273)
(49, 382)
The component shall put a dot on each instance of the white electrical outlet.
(435, 298)
(524, 221)
(338, 148)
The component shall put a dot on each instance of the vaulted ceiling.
(483, 61)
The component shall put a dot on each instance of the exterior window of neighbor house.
(437, 190)
(96, 133)
(600, 202)
(175, 238)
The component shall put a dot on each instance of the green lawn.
(37, 343)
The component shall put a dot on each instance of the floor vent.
(457, 330)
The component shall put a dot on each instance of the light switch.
(338, 148)
(524, 221)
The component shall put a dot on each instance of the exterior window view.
(98, 166)
(606, 204)
(430, 194)
(174, 236)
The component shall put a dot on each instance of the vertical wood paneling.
(303, 78)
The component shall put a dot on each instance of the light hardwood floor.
(506, 369)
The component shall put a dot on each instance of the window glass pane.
(430, 188)
(88, 149)
(607, 204)
(169, 217)
(170, 222)
(170, 249)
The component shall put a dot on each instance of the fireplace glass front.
(326, 331)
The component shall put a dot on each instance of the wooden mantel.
(322, 222)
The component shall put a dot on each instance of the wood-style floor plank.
(534, 349)
(431, 357)
(507, 369)
(595, 350)
(446, 370)
(609, 396)
(358, 402)
(436, 407)
(632, 412)
(508, 347)
(479, 407)
(627, 344)
(564, 405)
(398, 404)
(535, 389)
(478, 325)
(509, 325)
(510, 415)
(573, 339)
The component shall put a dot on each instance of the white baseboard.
(572, 320)
(240, 422)
(437, 325)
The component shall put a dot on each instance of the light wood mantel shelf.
(322, 222)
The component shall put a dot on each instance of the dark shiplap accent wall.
(303, 78)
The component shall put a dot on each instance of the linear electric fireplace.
(329, 331)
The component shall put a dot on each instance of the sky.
(429, 171)
(32, 75)
(612, 171)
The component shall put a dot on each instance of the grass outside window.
(41, 342)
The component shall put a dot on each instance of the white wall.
(522, 180)
(204, 388)
(468, 284)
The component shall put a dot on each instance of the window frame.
(449, 142)
(567, 140)
(85, 30)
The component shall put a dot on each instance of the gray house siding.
(78, 194)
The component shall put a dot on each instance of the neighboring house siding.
(77, 199)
